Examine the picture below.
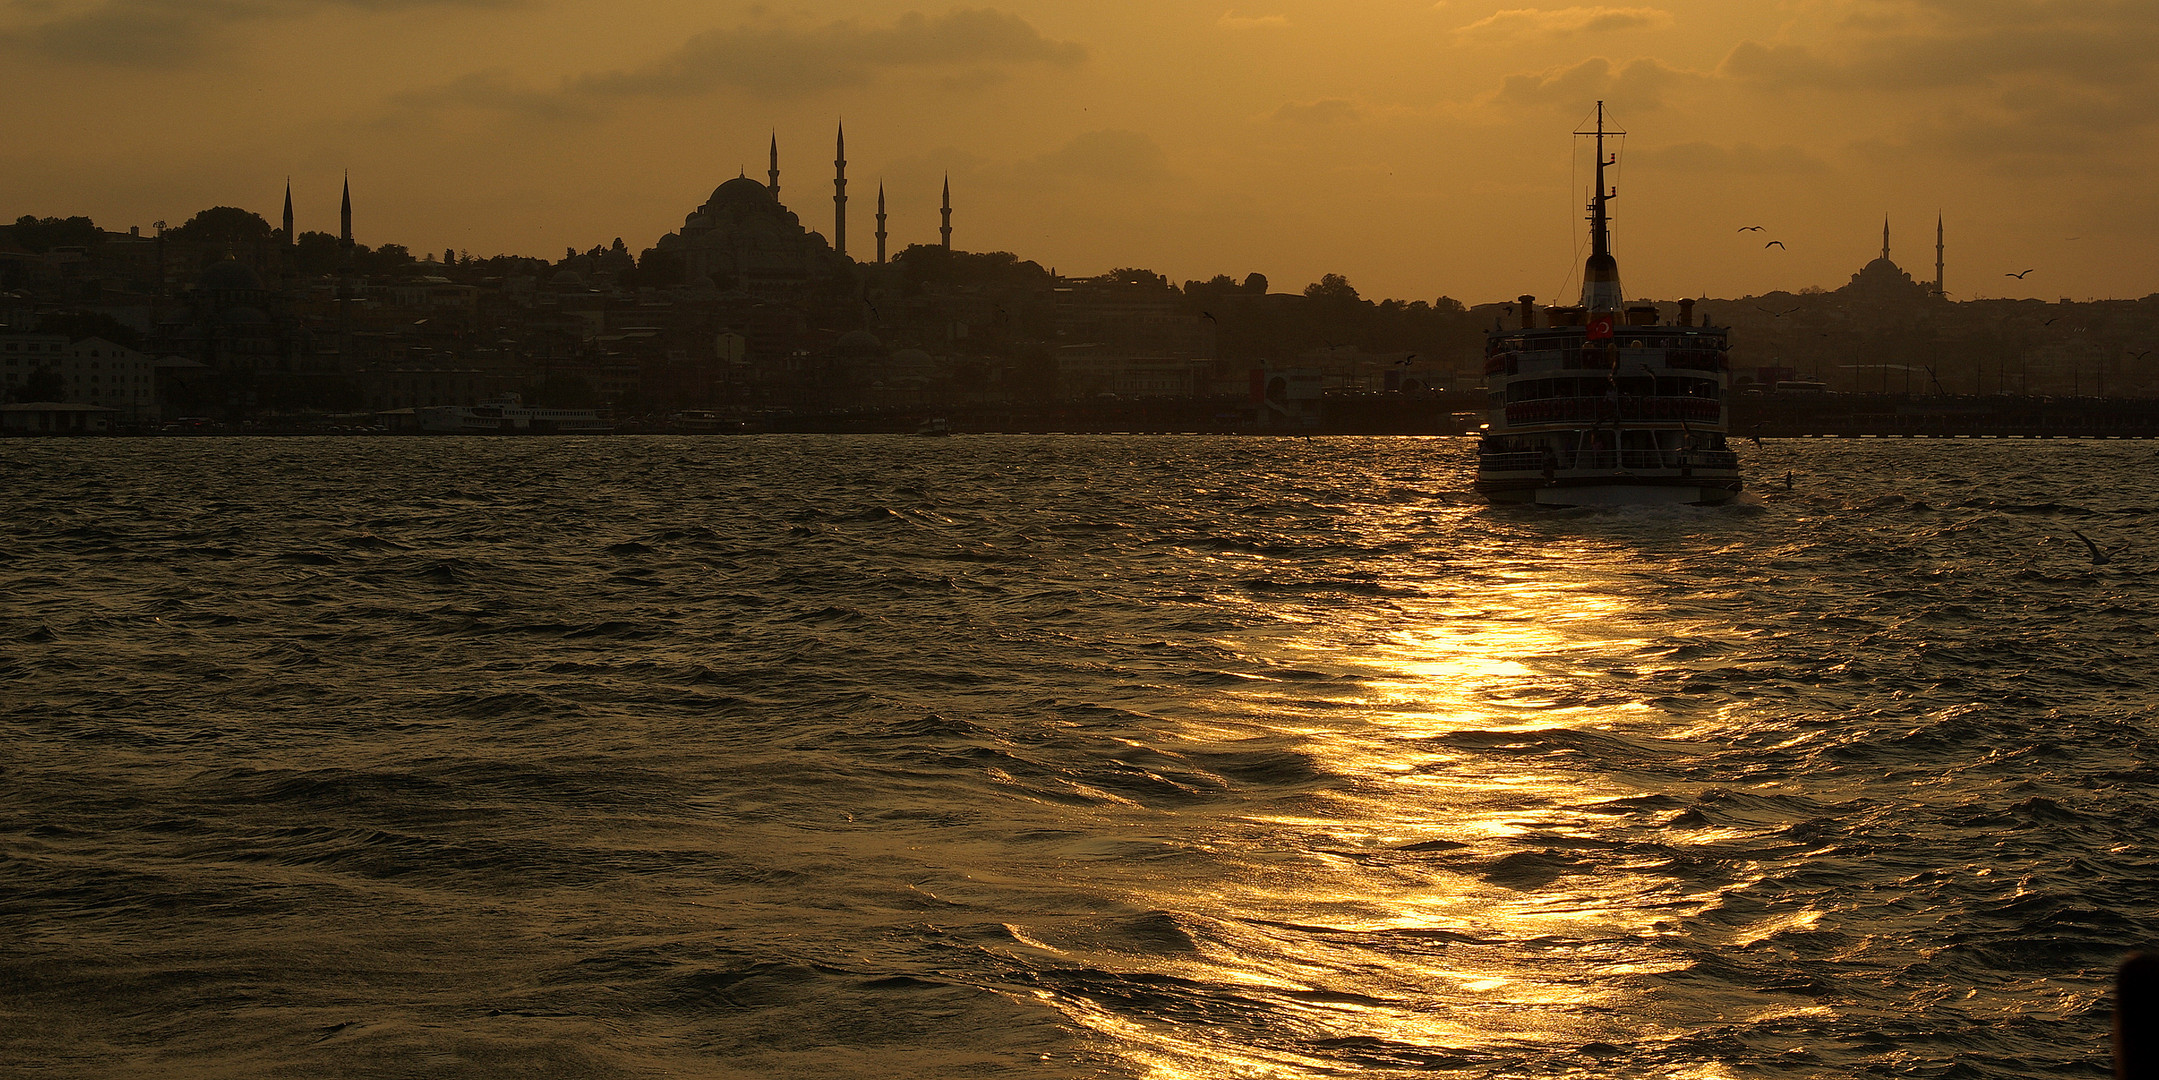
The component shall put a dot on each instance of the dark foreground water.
(1064, 756)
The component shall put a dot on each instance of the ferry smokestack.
(1686, 312)
(1529, 311)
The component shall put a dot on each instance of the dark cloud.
(775, 57)
(1638, 84)
(1098, 157)
(1530, 24)
(1323, 111)
(1745, 159)
(167, 33)
(1932, 45)
(2026, 85)
(779, 59)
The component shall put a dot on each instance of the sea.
(1066, 756)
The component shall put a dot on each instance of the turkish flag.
(1600, 328)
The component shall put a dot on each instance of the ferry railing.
(1602, 360)
(1570, 410)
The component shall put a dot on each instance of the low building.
(92, 371)
(55, 418)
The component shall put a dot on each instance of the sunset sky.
(1421, 149)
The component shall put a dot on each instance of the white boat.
(507, 414)
(1606, 403)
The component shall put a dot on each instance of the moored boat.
(507, 414)
(1606, 403)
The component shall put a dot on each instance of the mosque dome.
(1882, 279)
(739, 191)
(859, 343)
(230, 275)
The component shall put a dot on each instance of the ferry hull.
(1611, 493)
(1611, 490)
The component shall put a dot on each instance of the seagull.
(1774, 244)
(2099, 558)
(1751, 228)
(1777, 314)
(2019, 275)
(2051, 321)
(2140, 355)
(1209, 316)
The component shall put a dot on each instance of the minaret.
(1885, 236)
(344, 278)
(1600, 275)
(1937, 260)
(880, 222)
(839, 192)
(948, 212)
(773, 185)
(290, 236)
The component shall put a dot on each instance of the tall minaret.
(948, 212)
(1885, 236)
(773, 185)
(344, 217)
(839, 192)
(290, 236)
(880, 222)
(1937, 260)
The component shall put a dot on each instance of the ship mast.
(1600, 275)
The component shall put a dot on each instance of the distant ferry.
(506, 414)
(1606, 404)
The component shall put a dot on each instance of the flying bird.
(1777, 314)
(1751, 228)
(2019, 275)
(1209, 316)
(1773, 244)
(2051, 321)
(2140, 355)
(2099, 558)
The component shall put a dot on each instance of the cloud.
(1930, 45)
(170, 33)
(1230, 20)
(775, 57)
(1323, 111)
(1639, 84)
(1524, 24)
(1742, 159)
(2024, 85)
(781, 60)
(1101, 157)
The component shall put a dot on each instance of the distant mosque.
(746, 238)
(1883, 280)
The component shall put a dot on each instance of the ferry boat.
(506, 414)
(1606, 403)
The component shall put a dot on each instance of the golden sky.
(1419, 148)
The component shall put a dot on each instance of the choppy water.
(1061, 756)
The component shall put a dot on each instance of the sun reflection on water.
(1457, 890)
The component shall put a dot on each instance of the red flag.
(1600, 328)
